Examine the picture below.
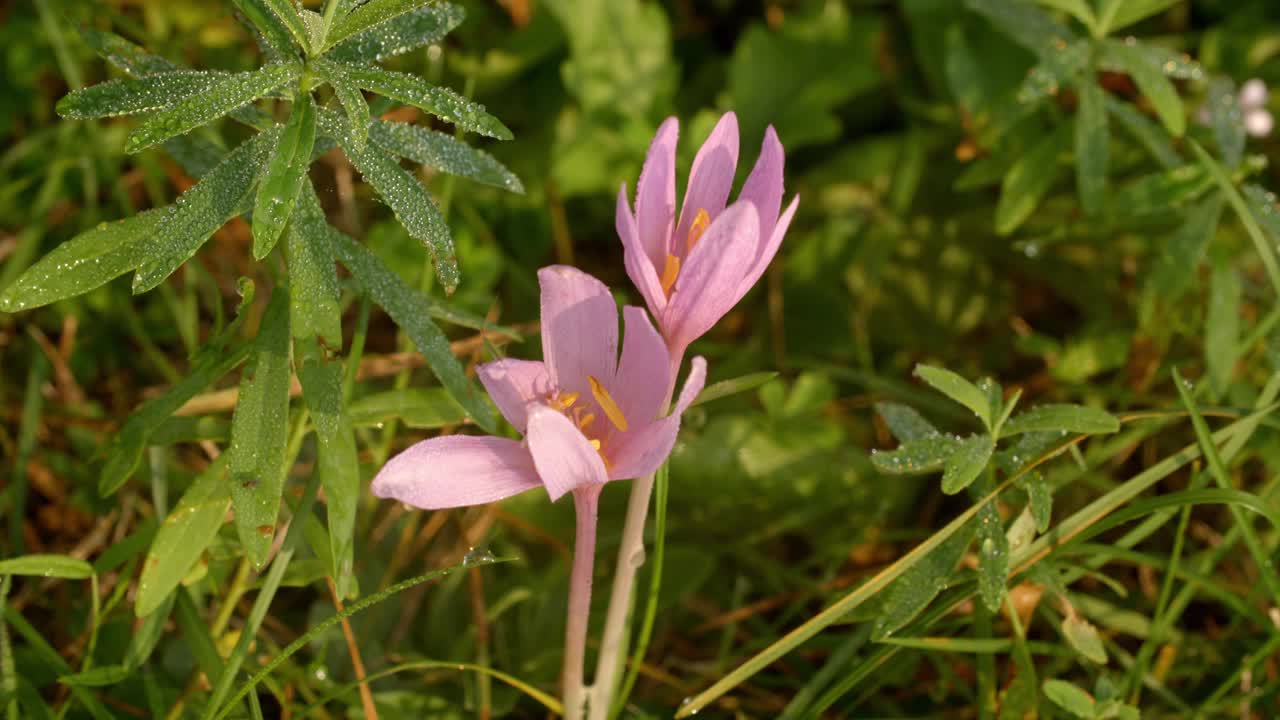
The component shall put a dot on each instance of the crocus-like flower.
(587, 415)
(693, 270)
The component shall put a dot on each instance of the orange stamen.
(701, 222)
(669, 273)
(585, 421)
(595, 444)
(606, 402)
(564, 401)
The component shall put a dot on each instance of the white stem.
(585, 504)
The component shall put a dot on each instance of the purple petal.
(579, 328)
(710, 179)
(656, 193)
(640, 388)
(642, 272)
(513, 384)
(764, 185)
(456, 471)
(768, 249)
(708, 285)
(564, 457)
(642, 451)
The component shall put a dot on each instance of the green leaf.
(285, 12)
(920, 584)
(228, 93)
(128, 96)
(1117, 14)
(1226, 119)
(276, 31)
(199, 212)
(1155, 140)
(59, 566)
(1062, 418)
(259, 430)
(123, 54)
(1083, 637)
(313, 276)
(967, 463)
(905, 423)
(993, 557)
(733, 386)
(1222, 326)
(443, 152)
(354, 105)
(1069, 698)
(1025, 24)
(921, 455)
(1093, 142)
(1158, 193)
(285, 171)
(411, 90)
(1176, 262)
(410, 31)
(1028, 179)
(405, 194)
(1152, 82)
(409, 309)
(371, 15)
(958, 389)
(1079, 9)
(86, 261)
(1040, 497)
(1054, 71)
(429, 408)
(103, 676)
(183, 537)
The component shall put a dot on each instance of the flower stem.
(586, 502)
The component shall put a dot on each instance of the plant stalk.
(586, 501)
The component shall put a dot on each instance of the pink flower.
(587, 415)
(694, 270)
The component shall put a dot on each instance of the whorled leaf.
(264, 16)
(283, 175)
(371, 15)
(313, 276)
(443, 152)
(410, 31)
(135, 95)
(354, 105)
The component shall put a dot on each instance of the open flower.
(588, 415)
(694, 270)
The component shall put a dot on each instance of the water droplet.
(477, 556)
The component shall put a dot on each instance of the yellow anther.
(564, 401)
(611, 409)
(585, 421)
(701, 222)
(595, 444)
(670, 271)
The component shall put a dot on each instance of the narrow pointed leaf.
(410, 31)
(229, 93)
(1093, 142)
(993, 557)
(372, 14)
(354, 105)
(958, 389)
(1175, 265)
(86, 261)
(285, 171)
(408, 308)
(1062, 418)
(412, 90)
(920, 455)
(966, 463)
(1028, 180)
(313, 276)
(184, 536)
(405, 194)
(1227, 120)
(1123, 13)
(443, 152)
(1222, 327)
(128, 96)
(59, 566)
(1152, 137)
(123, 54)
(265, 16)
(219, 196)
(920, 584)
(284, 12)
(259, 431)
(1153, 84)
(1054, 72)
(1025, 24)
(733, 386)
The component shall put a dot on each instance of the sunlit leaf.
(369, 15)
(443, 152)
(415, 407)
(411, 30)
(128, 96)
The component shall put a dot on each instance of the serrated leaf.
(183, 537)
(285, 171)
(228, 93)
(263, 16)
(905, 423)
(1069, 698)
(412, 90)
(408, 308)
(427, 408)
(1151, 81)
(1222, 326)
(128, 96)
(920, 584)
(1029, 179)
(259, 430)
(966, 463)
(993, 557)
(1176, 261)
(219, 196)
(922, 455)
(1083, 637)
(733, 386)
(313, 275)
(1062, 418)
(371, 14)
(407, 197)
(958, 389)
(42, 565)
(443, 152)
(410, 31)
(86, 261)
(1093, 143)
(355, 107)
